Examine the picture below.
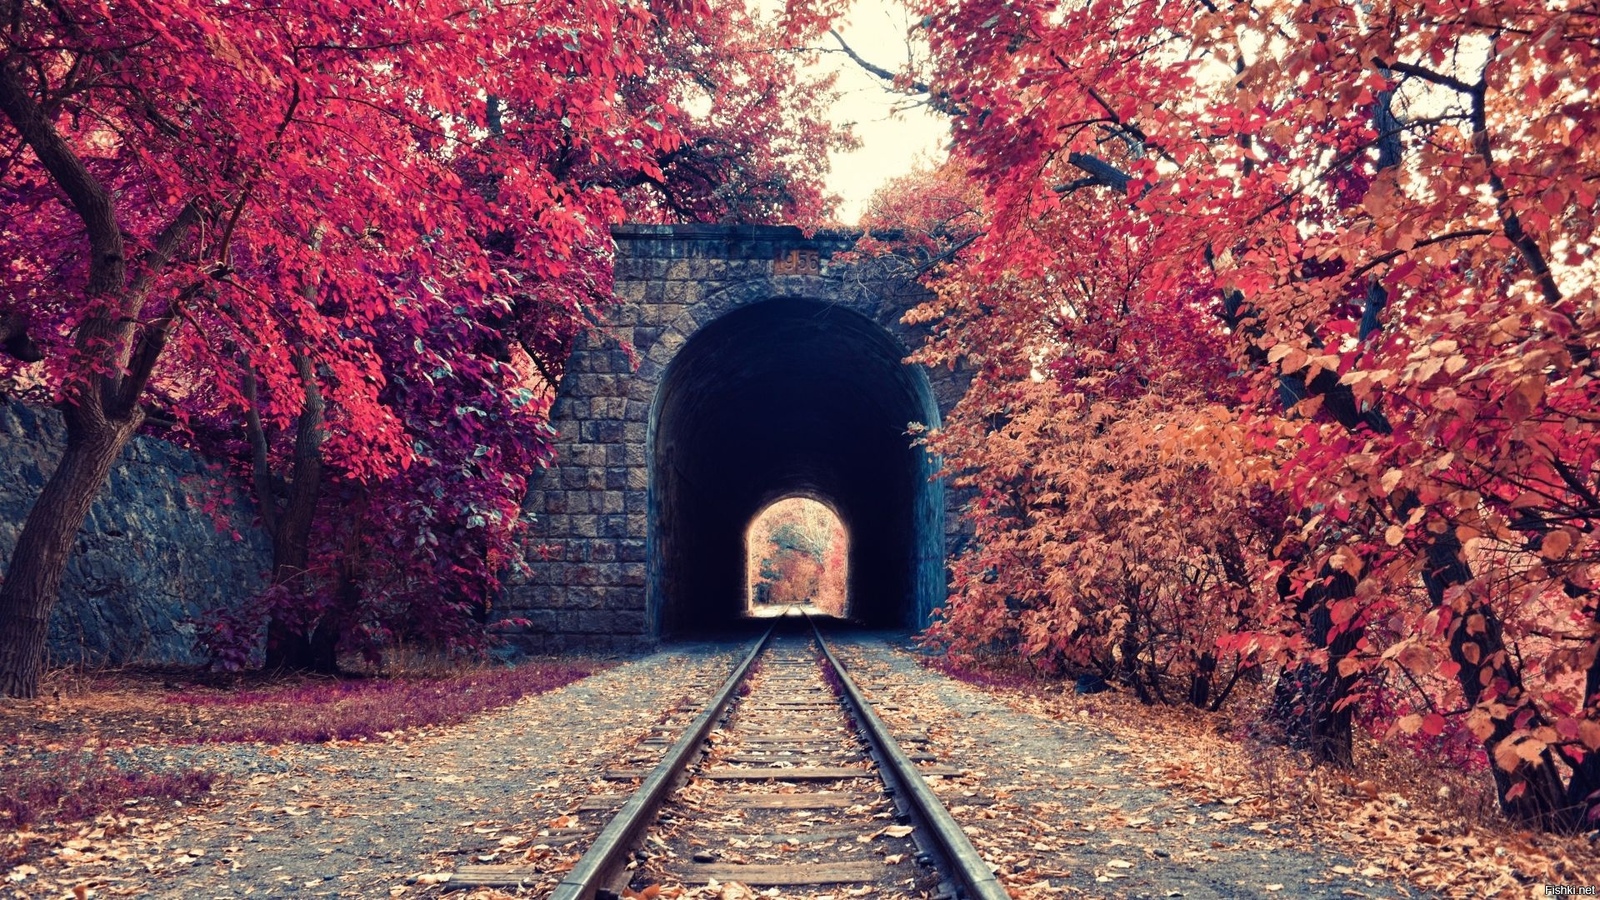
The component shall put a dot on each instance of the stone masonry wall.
(590, 512)
(148, 559)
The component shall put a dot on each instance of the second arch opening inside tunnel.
(785, 398)
(797, 557)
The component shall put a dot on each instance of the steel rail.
(960, 859)
(610, 849)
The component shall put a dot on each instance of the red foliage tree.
(350, 204)
(1390, 209)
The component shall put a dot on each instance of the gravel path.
(366, 820)
(1064, 809)
(1061, 809)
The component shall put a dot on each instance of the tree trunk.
(1477, 645)
(1205, 667)
(33, 582)
(102, 406)
(292, 645)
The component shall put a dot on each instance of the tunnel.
(791, 397)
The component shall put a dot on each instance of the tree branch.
(107, 262)
(938, 100)
(1099, 172)
(260, 462)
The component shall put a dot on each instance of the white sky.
(892, 137)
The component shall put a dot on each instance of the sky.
(891, 141)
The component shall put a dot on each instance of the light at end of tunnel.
(797, 553)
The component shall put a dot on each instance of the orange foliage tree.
(1362, 239)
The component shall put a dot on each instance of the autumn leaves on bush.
(1280, 322)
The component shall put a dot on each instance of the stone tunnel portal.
(779, 398)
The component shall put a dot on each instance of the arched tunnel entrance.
(791, 397)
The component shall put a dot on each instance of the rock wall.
(149, 559)
(595, 574)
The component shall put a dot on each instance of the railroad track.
(785, 778)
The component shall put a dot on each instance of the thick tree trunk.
(102, 407)
(33, 582)
(1583, 789)
(1205, 668)
(291, 644)
(1310, 703)
(1477, 645)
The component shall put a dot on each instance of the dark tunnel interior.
(781, 398)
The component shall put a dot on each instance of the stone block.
(587, 454)
(740, 269)
(615, 526)
(626, 622)
(705, 313)
(611, 502)
(540, 621)
(708, 269)
(596, 386)
(586, 526)
(594, 621)
(625, 267)
(625, 598)
(660, 313)
(639, 479)
(631, 550)
(636, 502)
(679, 270)
(608, 407)
(543, 596)
(628, 289)
(633, 574)
(683, 293)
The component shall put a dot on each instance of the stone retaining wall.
(149, 558)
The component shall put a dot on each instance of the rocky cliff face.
(149, 559)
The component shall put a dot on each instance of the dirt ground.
(1102, 796)
(1066, 796)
